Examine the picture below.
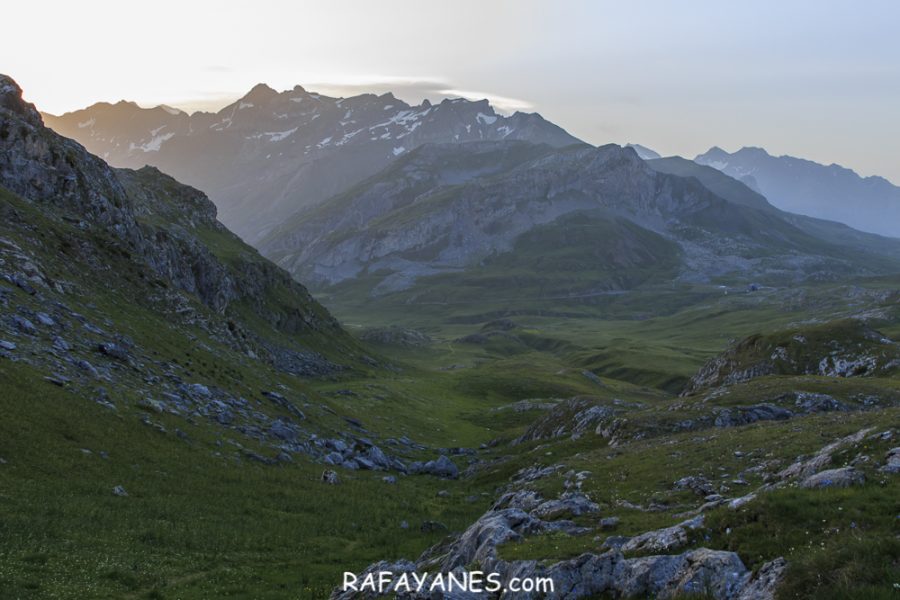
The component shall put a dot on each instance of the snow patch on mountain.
(154, 144)
(486, 119)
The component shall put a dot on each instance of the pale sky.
(815, 79)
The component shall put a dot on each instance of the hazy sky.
(817, 79)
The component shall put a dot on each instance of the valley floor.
(577, 387)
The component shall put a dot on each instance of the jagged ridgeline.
(270, 154)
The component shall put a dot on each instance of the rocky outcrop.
(843, 477)
(662, 540)
(847, 348)
(573, 417)
(807, 467)
(518, 514)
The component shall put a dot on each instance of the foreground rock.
(719, 573)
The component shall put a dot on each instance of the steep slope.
(465, 209)
(801, 186)
(271, 154)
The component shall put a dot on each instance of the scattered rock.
(57, 379)
(699, 485)
(535, 472)
(87, 368)
(119, 491)
(45, 319)
(24, 325)
(608, 523)
(113, 350)
(329, 477)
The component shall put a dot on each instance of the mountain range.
(269, 154)
(371, 188)
(805, 187)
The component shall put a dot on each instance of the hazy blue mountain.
(801, 186)
(271, 154)
(739, 192)
(644, 152)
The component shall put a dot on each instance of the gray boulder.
(892, 461)
(333, 458)
(378, 458)
(440, 467)
(843, 477)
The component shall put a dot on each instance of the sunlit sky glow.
(817, 79)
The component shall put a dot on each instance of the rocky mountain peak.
(261, 92)
(753, 151)
(11, 100)
(714, 153)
